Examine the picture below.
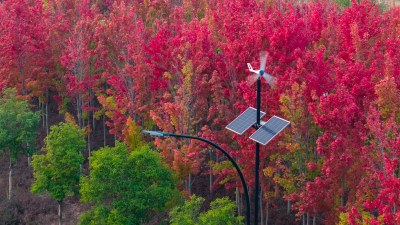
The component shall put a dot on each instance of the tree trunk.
(60, 212)
(89, 147)
(10, 179)
(91, 104)
(299, 162)
(261, 208)
(104, 130)
(81, 165)
(41, 113)
(79, 109)
(47, 112)
(44, 115)
(241, 206)
(342, 203)
(237, 195)
(190, 184)
(83, 122)
(289, 206)
(21, 70)
(211, 178)
(267, 214)
(29, 156)
(314, 221)
(93, 121)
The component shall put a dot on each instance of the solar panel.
(269, 130)
(244, 121)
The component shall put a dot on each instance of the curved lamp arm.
(246, 192)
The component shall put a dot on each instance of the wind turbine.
(258, 73)
(265, 131)
(271, 81)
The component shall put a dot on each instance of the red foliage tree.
(23, 46)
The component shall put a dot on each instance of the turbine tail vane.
(250, 68)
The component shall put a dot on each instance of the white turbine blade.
(270, 79)
(253, 78)
(263, 60)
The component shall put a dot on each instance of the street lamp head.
(156, 133)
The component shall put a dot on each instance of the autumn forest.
(81, 79)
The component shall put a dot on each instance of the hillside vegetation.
(108, 69)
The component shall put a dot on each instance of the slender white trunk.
(299, 162)
(190, 184)
(308, 219)
(81, 152)
(241, 204)
(10, 179)
(104, 130)
(289, 206)
(91, 104)
(261, 208)
(93, 120)
(82, 122)
(21, 70)
(41, 113)
(211, 180)
(78, 109)
(314, 221)
(81, 165)
(238, 200)
(211, 175)
(89, 147)
(267, 214)
(29, 156)
(60, 222)
(342, 196)
(44, 115)
(47, 112)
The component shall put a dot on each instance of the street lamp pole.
(246, 192)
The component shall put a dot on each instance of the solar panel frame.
(243, 122)
(269, 130)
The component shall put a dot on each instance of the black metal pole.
(257, 166)
(246, 192)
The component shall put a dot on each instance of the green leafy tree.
(57, 172)
(126, 186)
(222, 211)
(18, 129)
